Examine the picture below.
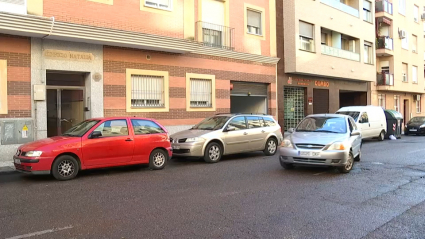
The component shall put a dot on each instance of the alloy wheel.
(214, 153)
(158, 159)
(271, 146)
(66, 168)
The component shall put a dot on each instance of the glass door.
(65, 108)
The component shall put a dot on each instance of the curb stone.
(6, 167)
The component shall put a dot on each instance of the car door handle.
(263, 131)
(129, 140)
(245, 133)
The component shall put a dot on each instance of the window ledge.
(371, 64)
(157, 8)
(307, 51)
(368, 22)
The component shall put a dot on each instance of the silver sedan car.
(225, 134)
(325, 140)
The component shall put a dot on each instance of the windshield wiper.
(303, 130)
(71, 135)
(327, 131)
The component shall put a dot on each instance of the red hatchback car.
(97, 143)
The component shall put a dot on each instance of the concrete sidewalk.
(6, 167)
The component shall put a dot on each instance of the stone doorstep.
(6, 167)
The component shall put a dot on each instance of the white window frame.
(407, 75)
(402, 7)
(405, 42)
(129, 90)
(418, 105)
(414, 43)
(382, 100)
(304, 40)
(367, 12)
(169, 8)
(415, 74)
(416, 13)
(369, 55)
(198, 95)
(248, 27)
(397, 103)
(189, 79)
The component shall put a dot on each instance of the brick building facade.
(61, 65)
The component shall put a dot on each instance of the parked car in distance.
(97, 143)
(370, 120)
(224, 134)
(322, 140)
(416, 125)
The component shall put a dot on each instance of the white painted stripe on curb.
(41, 232)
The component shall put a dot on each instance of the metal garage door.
(320, 101)
(246, 88)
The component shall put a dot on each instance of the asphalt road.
(244, 196)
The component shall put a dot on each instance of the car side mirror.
(355, 133)
(96, 134)
(291, 130)
(230, 128)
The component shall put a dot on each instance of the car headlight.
(336, 146)
(33, 153)
(287, 143)
(195, 139)
(422, 126)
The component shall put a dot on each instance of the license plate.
(17, 161)
(413, 130)
(309, 154)
(176, 147)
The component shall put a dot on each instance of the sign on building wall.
(68, 55)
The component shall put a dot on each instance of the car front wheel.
(65, 167)
(286, 165)
(348, 166)
(213, 153)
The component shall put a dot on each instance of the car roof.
(242, 114)
(330, 115)
(358, 107)
(122, 117)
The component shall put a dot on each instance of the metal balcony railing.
(385, 43)
(384, 6)
(332, 51)
(214, 35)
(342, 7)
(385, 78)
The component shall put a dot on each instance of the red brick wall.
(116, 60)
(124, 14)
(17, 52)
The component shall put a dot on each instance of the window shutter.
(306, 29)
(254, 19)
(200, 93)
(367, 5)
(147, 91)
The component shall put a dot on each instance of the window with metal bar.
(368, 53)
(254, 22)
(381, 100)
(147, 91)
(200, 93)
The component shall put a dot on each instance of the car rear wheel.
(213, 153)
(348, 166)
(381, 136)
(65, 167)
(286, 165)
(271, 147)
(158, 159)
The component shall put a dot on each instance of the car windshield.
(417, 120)
(354, 114)
(323, 124)
(81, 128)
(212, 123)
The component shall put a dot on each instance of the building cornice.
(48, 28)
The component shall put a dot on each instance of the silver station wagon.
(323, 139)
(225, 134)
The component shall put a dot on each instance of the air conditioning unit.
(417, 97)
(415, 19)
(402, 34)
(423, 16)
(404, 79)
(414, 51)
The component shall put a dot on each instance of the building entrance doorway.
(65, 101)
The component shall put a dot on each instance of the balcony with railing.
(336, 52)
(384, 46)
(384, 6)
(214, 35)
(342, 7)
(384, 80)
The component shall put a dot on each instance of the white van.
(370, 120)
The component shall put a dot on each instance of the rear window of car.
(268, 121)
(254, 122)
(141, 127)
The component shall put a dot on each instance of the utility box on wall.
(16, 131)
